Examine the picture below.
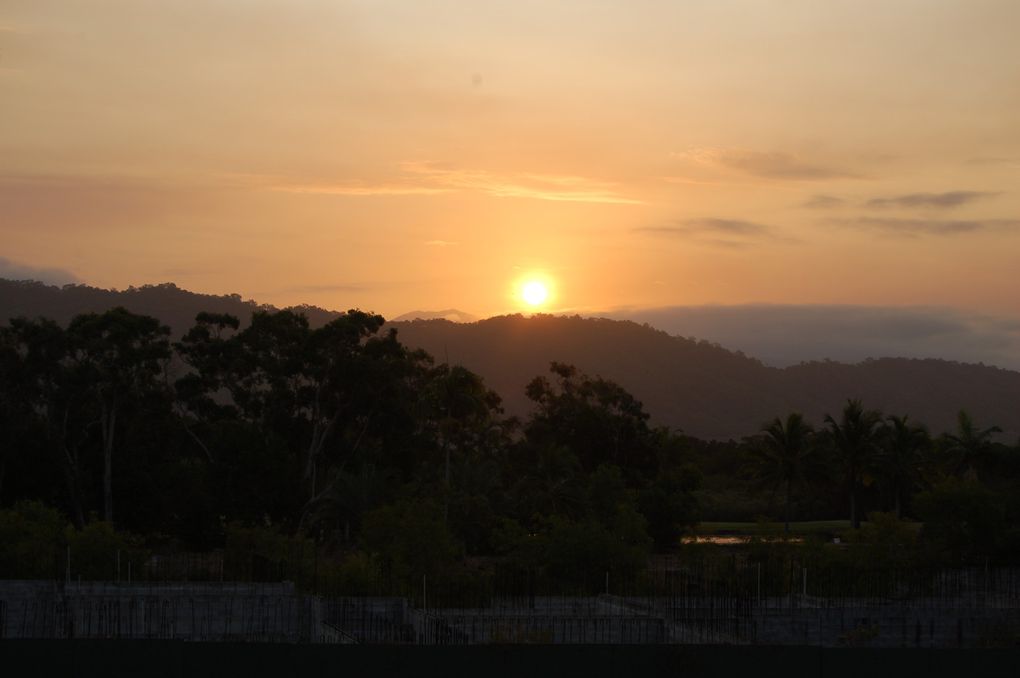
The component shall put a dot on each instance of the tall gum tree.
(53, 392)
(121, 355)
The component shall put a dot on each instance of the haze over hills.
(699, 387)
(787, 334)
(451, 314)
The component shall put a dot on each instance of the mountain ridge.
(700, 387)
(709, 391)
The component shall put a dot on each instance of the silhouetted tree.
(43, 377)
(854, 436)
(121, 355)
(782, 452)
(902, 446)
(463, 410)
(597, 419)
(971, 446)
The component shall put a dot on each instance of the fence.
(779, 603)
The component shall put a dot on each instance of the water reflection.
(735, 540)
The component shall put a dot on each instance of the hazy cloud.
(73, 203)
(945, 200)
(822, 202)
(916, 227)
(356, 189)
(768, 165)
(315, 289)
(13, 270)
(441, 243)
(1010, 162)
(782, 335)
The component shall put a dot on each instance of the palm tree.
(854, 436)
(782, 453)
(970, 447)
(900, 460)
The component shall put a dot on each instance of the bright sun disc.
(534, 293)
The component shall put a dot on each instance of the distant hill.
(451, 314)
(699, 387)
(172, 305)
(709, 391)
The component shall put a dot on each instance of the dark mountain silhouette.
(699, 387)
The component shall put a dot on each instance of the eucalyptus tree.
(121, 355)
(903, 445)
(463, 413)
(783, 451)
(317, 397)
(856, 441)
(10, 397)
(40, 375)
(595, 418)
(206, 349)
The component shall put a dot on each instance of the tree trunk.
(70, 468)
(109, 428)
(446, 477)
(788, 501)
(854, 521)
(73, 494)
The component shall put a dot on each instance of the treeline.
(341, 439)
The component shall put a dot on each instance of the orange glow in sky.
(395, 155)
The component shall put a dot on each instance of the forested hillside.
(706, 390)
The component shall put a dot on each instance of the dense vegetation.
(284, 439)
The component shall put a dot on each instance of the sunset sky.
(426, 155)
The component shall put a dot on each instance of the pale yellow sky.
(424, 155)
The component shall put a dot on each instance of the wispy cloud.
(946, 200)
(728, 233)
(441, 243)
(710, 225)
(765, 164)
(554, 187)
(918, 227)
(424, 178)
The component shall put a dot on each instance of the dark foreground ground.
(178, 659)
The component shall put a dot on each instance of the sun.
(534, 293)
